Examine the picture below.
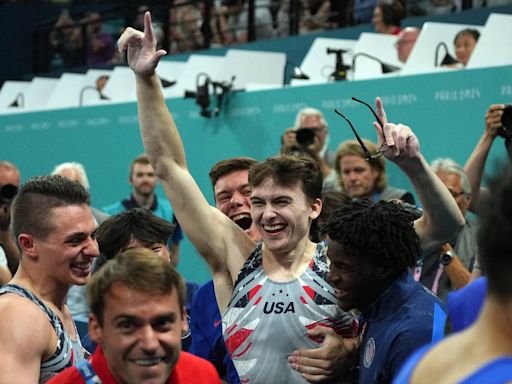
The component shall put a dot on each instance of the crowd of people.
(320, 270)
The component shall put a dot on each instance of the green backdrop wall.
(446, 110)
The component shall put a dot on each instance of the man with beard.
(137, 303)
(273, 295)
(143, 181)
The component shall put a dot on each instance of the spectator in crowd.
(371, 248)
(465, 42)
(364, 179)
(387, 18)
(143, 181)
(488, 339)
(54, 227)
(331, 200)
(66, 40)
(449, 268)
(137, 302)
(405, 43)
(76, 172)
(10, 180)
(99, 44)
(282, 212)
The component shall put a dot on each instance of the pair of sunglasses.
(368, 156)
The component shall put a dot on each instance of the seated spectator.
(482, 353)
(360, 178)
(406, 41)
(99, 45)
(371, 248)
(387, 18)
(465, 42)
(184, 24)
(66, 40)
(137, 303)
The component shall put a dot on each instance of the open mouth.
(82, 268)
(273, 228)
(243, 220)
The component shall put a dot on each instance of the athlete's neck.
(289, 266)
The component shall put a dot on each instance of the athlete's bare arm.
(26, 340)
(441, 218)
(220, 241)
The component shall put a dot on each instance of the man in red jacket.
(137, 318)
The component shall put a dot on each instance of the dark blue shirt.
(405, 317)
(206, 327)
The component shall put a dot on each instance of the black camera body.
(505, 130)
(305, 137)
(7, 193)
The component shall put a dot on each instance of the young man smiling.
(54, 228)
(281, 283)
(137, 303)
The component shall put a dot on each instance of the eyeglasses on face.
(368, 156)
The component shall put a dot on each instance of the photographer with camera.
(310, 135)
(498, 122)
(9, 256)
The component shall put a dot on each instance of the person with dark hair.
(387, 18)
(9, 183)
(278, 308)
(331, 200)
(143, 181)
(54, 228)
(465, 42)
(137, 302)
(489, 338)
(371, 248)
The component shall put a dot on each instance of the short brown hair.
(225, 167)
(287, 171)
(32, 206)
(141, 159)
(353, 148)
(136, 268)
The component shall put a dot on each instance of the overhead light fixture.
(19, 101)
(385, 68)
(447, 59)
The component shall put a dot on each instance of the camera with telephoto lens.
(505, 130)
(7, 193)
(305, 136)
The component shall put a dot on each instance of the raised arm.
(475, 165)
(441, 218)
(221, 242)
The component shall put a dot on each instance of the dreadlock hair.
(382, 232)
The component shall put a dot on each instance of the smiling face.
(66, 254)
(282, 215)
(464, 47)
(232, 197)
(140, 334)
(358, 176)
(354, 278)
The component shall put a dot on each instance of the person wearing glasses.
(481, 353)
(278, 307)
(449, 267)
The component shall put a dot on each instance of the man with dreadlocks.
(371, 248)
